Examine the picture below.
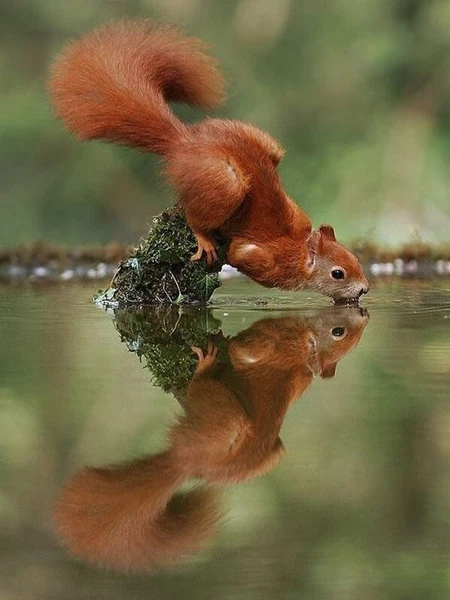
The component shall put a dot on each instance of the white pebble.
(40, 271)
(399, 266)
(411, 266)
(92, 274)
(102, 269)
(375, 269)
(389, 268)
(440, 267)
(67, 275)
(15, 271)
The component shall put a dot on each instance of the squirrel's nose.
(363, 290)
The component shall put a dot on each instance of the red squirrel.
(115, 84)
(132, 517)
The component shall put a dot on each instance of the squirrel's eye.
(338, 332)
(337, 274)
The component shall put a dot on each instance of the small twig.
(176, 324)
(165, 291)
(114, 277)
(176, 283)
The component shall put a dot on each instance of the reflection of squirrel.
(114, 84)
(130, 517)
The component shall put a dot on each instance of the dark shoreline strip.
(50, 262)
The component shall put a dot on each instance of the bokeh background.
(357, 92)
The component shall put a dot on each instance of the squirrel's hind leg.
(211, 188)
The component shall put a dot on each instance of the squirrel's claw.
(205, 359)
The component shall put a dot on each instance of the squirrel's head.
(334, 271)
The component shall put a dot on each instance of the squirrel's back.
(114, 83)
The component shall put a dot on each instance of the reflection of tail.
(128, 518)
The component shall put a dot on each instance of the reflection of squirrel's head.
(319, 341)
(336, 332)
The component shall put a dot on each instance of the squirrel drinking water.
(115, 84)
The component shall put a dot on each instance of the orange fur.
(131, 518)
(114, 84)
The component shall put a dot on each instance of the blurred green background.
(357, 92)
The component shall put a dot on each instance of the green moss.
(160, 270)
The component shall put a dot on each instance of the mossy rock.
(160, 270)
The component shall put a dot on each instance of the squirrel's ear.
(328, 232)
(329, 371)
(313, 245)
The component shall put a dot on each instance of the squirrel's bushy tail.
(130, 518)
(114, 83)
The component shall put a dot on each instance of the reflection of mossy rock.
(163, 338)
(160, 271)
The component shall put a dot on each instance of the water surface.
(298, 451)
